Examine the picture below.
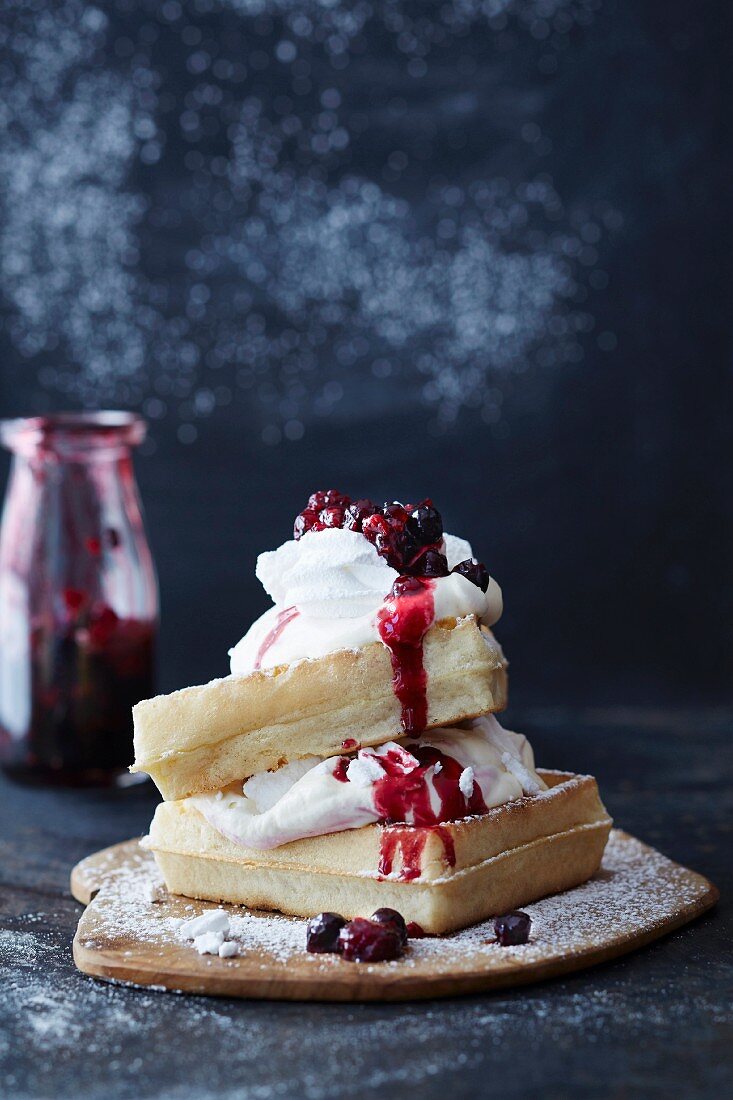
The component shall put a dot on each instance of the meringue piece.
(466, 782)
(213, 920)
(209, 943)
(364, 770)
(517, 768)
(228, 949)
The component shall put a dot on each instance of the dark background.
(507, 287)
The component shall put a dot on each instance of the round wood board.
(128, 933)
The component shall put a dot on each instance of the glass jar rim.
(81, 431)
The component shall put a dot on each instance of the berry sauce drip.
(409, 843)
(339, 771)
(404, 794)
(402, 623)
(404, 799)
(273, 635)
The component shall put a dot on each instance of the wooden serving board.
(125, 936)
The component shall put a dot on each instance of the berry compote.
(78, 599)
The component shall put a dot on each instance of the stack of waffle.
(352, 760)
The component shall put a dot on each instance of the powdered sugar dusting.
(636, 891)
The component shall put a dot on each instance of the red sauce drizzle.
(339, 771)
(402, 623)
(404, 795)
(410, 843)
(281, 622)
(349, 744)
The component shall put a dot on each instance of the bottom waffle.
(443, 878)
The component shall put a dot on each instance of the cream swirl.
(336, 581)
(332, 574)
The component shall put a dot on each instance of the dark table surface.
(655, 1023)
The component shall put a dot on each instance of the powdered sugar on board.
(637, 894)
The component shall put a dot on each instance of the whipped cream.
(327, 588)
(296, 801)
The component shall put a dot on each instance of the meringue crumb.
(364, 771)
(228, 949)
(209, 943)
(521, 773)
(466, 782)
(156, 892)
(212, 921)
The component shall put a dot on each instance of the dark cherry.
(431, 563)
(404, 547)
(322, 936)
(415, 931)
(384, 537)
(474, 571)
(357, 512)
(396, 514)
(324, 509)
(425, 524)
(326, 499)
(393, 919)
(512, 928)
(307, 520)
(332, 516)
(375, 526)
(364, 940)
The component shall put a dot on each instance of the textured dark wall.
(402, 249)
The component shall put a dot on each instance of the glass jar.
(78, 599)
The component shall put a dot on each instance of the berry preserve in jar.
(78, 599)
